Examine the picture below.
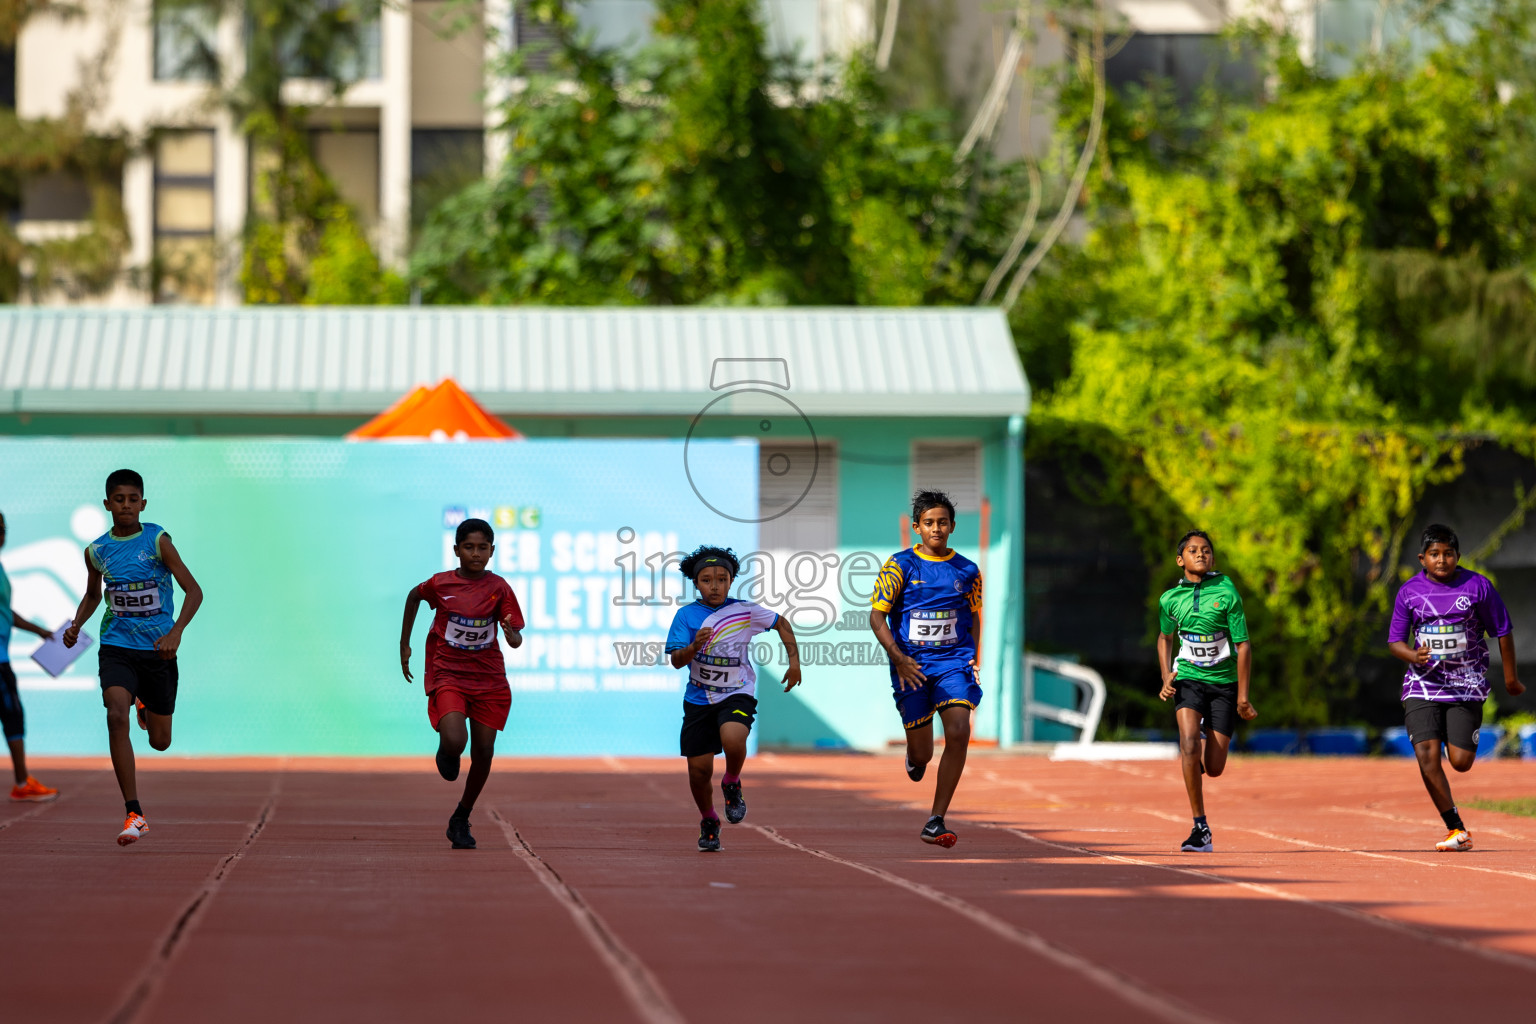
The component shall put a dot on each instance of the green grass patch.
(1525, 805)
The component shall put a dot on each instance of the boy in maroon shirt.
(466, 677)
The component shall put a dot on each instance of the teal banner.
(305, 551)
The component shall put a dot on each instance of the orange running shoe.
(134, 826)
(34, 791)
(138, 706)
(1455, 841)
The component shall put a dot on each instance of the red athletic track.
(288, 892)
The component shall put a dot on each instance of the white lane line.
(136, 1000)
(1128, 989)
(1412, 931)
(639, 985)
(1445, 860)
(1425, 822)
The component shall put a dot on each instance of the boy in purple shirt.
(1438, 623)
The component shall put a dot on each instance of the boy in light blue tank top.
(134, 563)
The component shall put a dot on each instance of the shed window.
(953, 467)
(783, 470)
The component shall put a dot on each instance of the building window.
(953, 467)
(332, 43)
(186, 42)
(351, 159)
(1184, 61)
(443, 162)
(184, 217)
(783, 471)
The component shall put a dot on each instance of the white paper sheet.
(53, 657)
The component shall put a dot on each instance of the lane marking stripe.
(1446, 863)
(149, 979)
(1461, 946)
(1426, 822)
(1130, 990)
(635, 980)
(1449, 860)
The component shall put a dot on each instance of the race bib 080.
(469, 634)
(715, 673)
(933, 628)
(1445, 643)
(133, 600)
(1204, 649)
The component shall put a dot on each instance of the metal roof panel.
(621, 360)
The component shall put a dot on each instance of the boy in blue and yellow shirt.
(931, 595)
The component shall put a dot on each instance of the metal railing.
(1084, 717)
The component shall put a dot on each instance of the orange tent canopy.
(444, 412)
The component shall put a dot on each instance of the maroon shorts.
(488, 707)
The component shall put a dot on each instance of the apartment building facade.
(419, 119)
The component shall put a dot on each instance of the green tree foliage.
(1288, 320)
(700, 168)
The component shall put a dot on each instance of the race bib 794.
(469, 634)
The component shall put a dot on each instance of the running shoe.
(938, 833)
(458, 834)
(1199, 840)
(735, 805)
(138, 707)
(1456, 841)
(709, 834)
(134, 827)
(33, 791)
(915, 773)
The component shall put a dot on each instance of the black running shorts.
(144, 674)
(12, 721)
(702, 722)
(1217, 704)
(1455, 722)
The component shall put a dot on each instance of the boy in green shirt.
(1203, 614)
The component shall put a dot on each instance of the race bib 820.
(133, 600)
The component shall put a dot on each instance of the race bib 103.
(715, 673)
(1445, 643)
(933, 628)
(469, 634)
(1204, 650)
(133, 600)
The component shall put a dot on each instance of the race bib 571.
(715, 673)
